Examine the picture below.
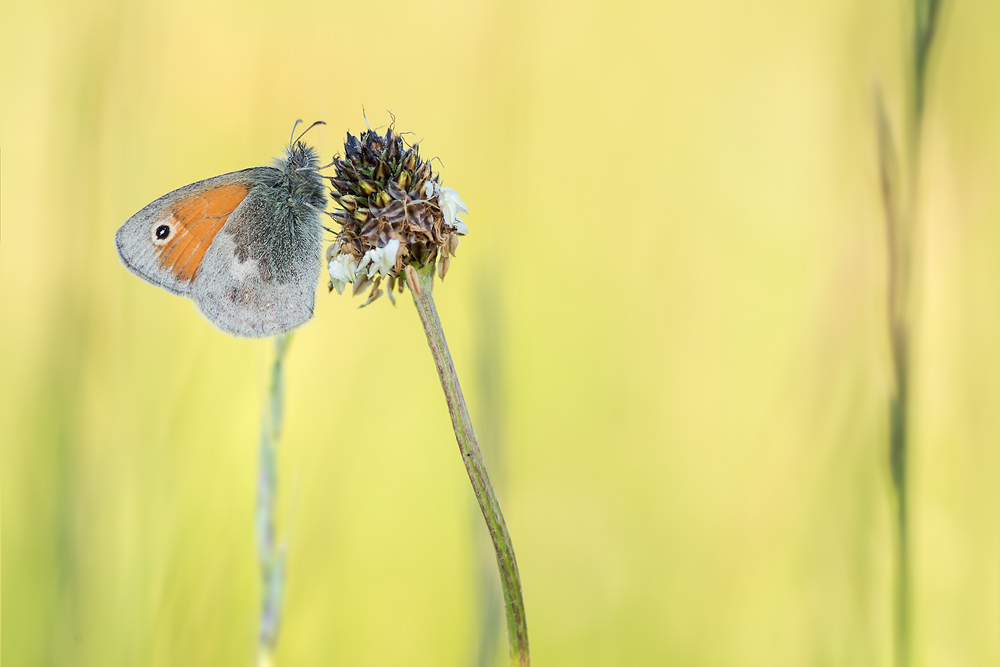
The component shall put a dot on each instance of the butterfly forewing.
(192, 226)
(165, 243)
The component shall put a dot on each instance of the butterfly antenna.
(291, 139)
(320, 210)
(294, 141)
(326, 166)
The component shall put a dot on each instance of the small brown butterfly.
(245, 246)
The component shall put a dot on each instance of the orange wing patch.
(192, 226)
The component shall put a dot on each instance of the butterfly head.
(300, 172)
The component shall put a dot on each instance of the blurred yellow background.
(669, 313)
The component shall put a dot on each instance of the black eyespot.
(162, 232)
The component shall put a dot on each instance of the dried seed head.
(393, 212)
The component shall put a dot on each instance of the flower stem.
(510, 580)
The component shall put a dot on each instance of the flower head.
(393, 213)
(451, 206)
(343, 270)
(381, 260)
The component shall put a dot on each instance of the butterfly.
(245, 246)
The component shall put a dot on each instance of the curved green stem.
(510, 580)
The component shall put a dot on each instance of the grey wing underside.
(241, 298)
(132, 239)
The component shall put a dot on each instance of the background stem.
(270, 554)
(900, 200)
(510, 580)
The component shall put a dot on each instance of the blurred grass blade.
(900, 214)
(270, 554)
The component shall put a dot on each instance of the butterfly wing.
(241, 245)
(260, 274)
(166, 242)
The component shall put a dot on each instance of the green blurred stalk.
(900, 214)
(510, 580)
(897, 228)
(925, 22)
(898, 407)
(270, 554)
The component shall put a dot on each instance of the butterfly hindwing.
(260, 274)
